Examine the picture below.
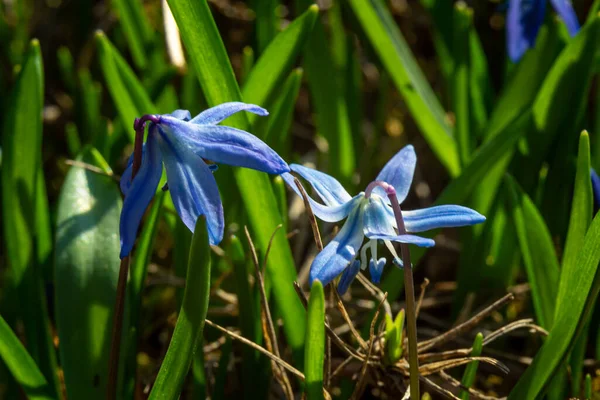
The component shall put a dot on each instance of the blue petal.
(218, 113)
(338, 254)
(181, 114)
(440, 217)
(325, 213)
(125, 182)
(193, 187)
(139, 193)
(378, 224)
(376, 269)
(523, 21)
(377, 218)
(564, 8)
(595, 189)
(327, 187)
(226, 145)
(407, 238)
(399, 172)
(348, 276)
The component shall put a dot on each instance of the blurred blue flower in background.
(524, 19)
(371, 215)
(595, 189)
(181, 143)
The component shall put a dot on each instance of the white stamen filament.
(363, 257)
(390, 247)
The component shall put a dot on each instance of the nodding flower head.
(182, 144)
(369, 214)
(524, 19)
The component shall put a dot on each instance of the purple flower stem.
(117, 327)
(409, 288)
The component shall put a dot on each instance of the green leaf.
(66, 68)
(267, 22)
(270, 70)
(314, 352)
(399, 61)
(136, 28)
(470, 373)
(116, 86)
(463, 19)
(24, 208)
(538, 252)
(210, 61)
(393, 337)
(524, 84)
(22, 366)
(581, 214)
(480, 87)
(190, 322)
(86, 274)
(582, 291)
(331, 109)
(278, 130)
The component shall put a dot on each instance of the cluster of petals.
(182, 144)
(370, 215)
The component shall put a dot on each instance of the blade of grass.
(331, 111)
(470, 373)
(136, 29)
(399, 61)
(463, 19)
(86, 273)
(210, 61)
(271, 68)
(538, 252)
(267, 22)
(22, 366)
(190, 322)
(314, 352)
(21, 167)
(580, 297)
(280, 120)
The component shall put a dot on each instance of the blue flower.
(370, 214)
(595, 189)
(182, 143)
(524, 19)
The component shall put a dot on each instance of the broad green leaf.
(331, 110)
(537, 249)
(22, 366)
(275, 63)
(278, 129)
(86, 274)
(280, 189)
(399, 61)
(210, 61)
(190, 322)
(136, 28)
(23, 213)
(314, 352)
(581, 294)
(247, 63)
(470, 373)
(393, 337)
(463, 19)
